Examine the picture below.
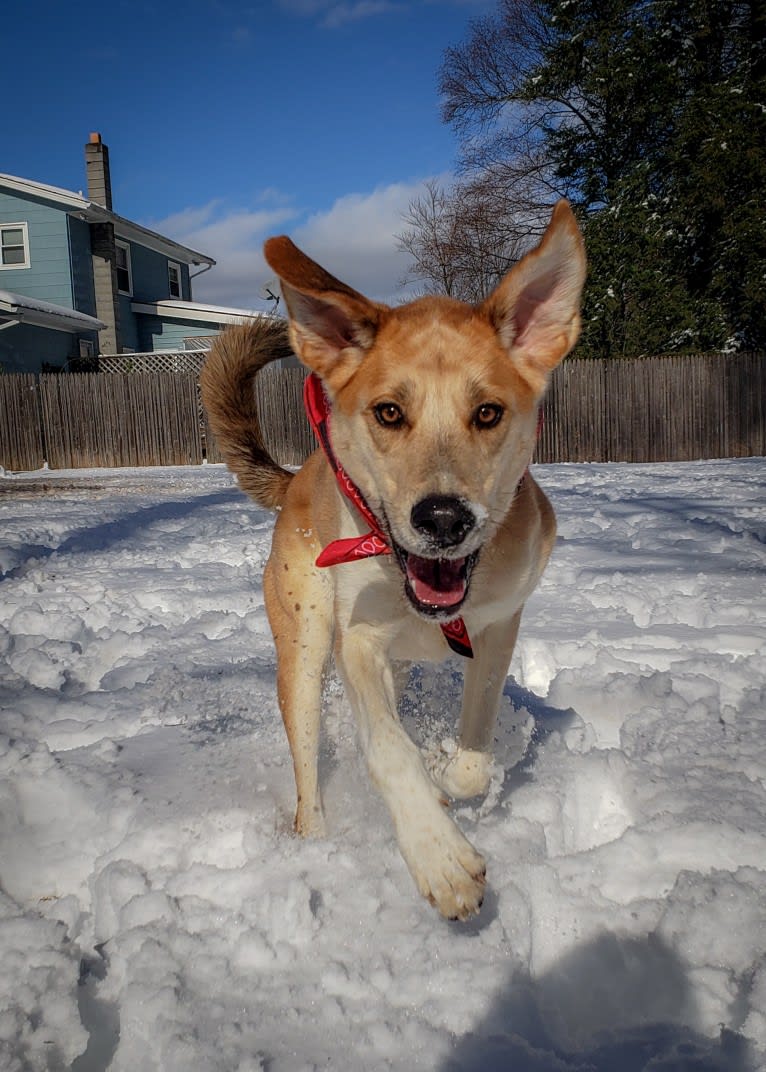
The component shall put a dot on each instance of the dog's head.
(434, 403)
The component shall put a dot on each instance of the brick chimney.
(102, 246)
(97, 172)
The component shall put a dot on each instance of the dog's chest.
(369, 593)
(418, 641)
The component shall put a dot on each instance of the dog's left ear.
(535, 309)
(332, 326)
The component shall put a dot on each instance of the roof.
(77, 205)
(25, 310)
(198, 343)
(172, 309)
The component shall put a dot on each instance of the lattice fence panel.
(176, 361)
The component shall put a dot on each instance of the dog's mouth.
(436, 586)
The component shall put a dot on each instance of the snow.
(21, 305)
(157, 913)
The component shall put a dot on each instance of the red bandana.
(374, 542)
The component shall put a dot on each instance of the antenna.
(270, 292)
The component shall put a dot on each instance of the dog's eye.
(487, 415)
(389, 415)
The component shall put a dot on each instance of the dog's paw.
(448, 871)
(460, 772)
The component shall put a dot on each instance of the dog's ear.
(535, 309)
(331, 326)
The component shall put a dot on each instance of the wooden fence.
(669, 408)
(674, 408)
(21, 431)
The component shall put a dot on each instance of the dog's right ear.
(332, 326)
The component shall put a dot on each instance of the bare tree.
(463, 239)
(500, 104)
(430, 239)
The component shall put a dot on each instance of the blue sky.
(227, 121)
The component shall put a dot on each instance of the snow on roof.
(184, 310)
(45, 314)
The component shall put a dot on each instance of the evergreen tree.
(651, 116)
(717, 169)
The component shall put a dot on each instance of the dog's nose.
(444, 520)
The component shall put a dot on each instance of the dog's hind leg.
(465, 772)
(300, 615)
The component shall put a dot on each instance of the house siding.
(26, 348)
(82, 266)
(129, 328)
(49, 276)
(150, 284)
(65, 270)
(150, 274)
(159, 333)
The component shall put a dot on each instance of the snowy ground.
(157, 914)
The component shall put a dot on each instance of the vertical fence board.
(78, 416)
(21, 441)
(744, 391)
(286, 430)
(123, 419)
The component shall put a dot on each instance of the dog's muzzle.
(437, 583)
(442, 520)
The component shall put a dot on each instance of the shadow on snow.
(617, 1004)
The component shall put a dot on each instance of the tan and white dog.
(423, 501)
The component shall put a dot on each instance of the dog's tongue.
(437, 582)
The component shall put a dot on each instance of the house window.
(124, 277)
(14, 245)
(174, 279)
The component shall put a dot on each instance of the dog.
(415, 529)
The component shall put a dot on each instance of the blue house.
(77, 280)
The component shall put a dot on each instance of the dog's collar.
(375, 541)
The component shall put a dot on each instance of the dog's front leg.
(447, 869)
(298, 602)
(465, 772)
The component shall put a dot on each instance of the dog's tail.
(228, 396)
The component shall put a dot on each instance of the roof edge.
(92, 212)
(44, 314)
(182, 310)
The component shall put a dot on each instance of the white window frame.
(126, 246)
(21, 226)
(180, 294)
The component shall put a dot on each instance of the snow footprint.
(594, 808)
(581, 802)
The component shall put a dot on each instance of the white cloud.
(333, 13)
(234, 237)
(338, 14)
(354, 239)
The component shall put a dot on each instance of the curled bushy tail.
(228, 396)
